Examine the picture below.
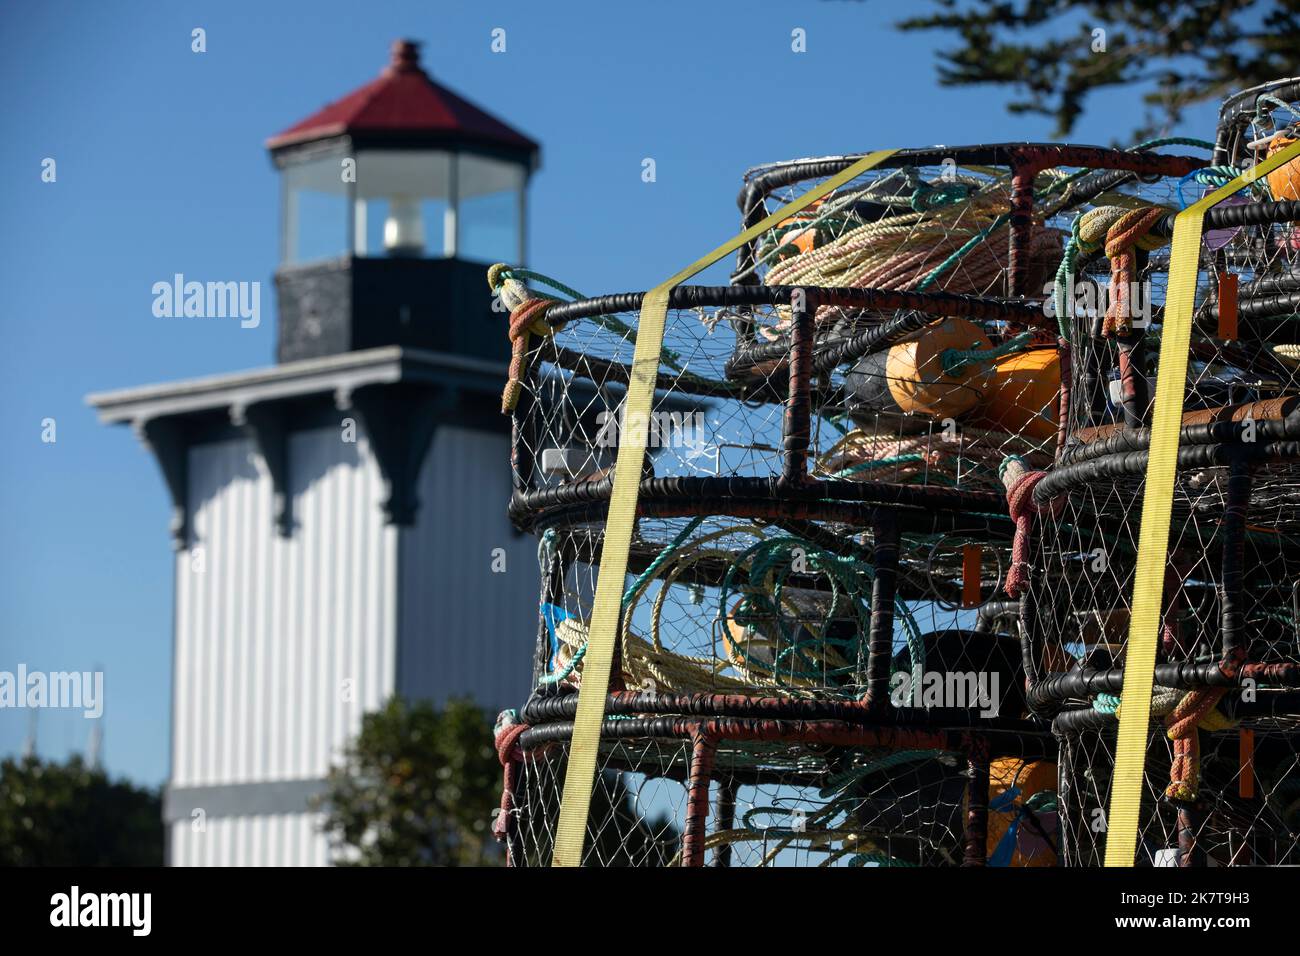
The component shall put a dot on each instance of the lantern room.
(392, 200)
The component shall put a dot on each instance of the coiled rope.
(799, 657)
(914, 250)
(926, 458)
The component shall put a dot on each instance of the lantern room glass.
(314, 217)
(490, 209)
(404, 204)
(411, 203)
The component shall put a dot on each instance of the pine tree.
(1174, 53)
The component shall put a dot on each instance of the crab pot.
(818, 660)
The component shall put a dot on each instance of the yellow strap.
(1157, 504)
(581, 774)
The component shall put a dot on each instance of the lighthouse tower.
(339, 517)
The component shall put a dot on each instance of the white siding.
(282, 839)
(465, 629)
(268, 629)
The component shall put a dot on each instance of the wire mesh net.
(771, 805)
(1221, 768)
(878, 590)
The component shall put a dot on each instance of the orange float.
(908, 378)
(1013, 784)
(1284, 182)
(1023, 394)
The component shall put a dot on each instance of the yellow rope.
(899, 251)
(668, 669)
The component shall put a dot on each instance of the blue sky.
(161, 169)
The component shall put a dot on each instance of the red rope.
(521, 327)
(1020, 504)
(511, 756)
(1063, 396)
(1184, 730)
(1123, 239)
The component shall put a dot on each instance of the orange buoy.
(908, 378)
(1012, 784)
(1284, 182)
(1022, 396)
(806, 239)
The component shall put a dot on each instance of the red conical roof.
(404, 104)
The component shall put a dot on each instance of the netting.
(1222, 779)
(877, 591)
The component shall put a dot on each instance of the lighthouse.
(339, 517)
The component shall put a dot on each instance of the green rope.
(800, 656)
(1055, 187)
(566, 670)
(1002, 468)
(1106, 703)
(1075, 245)
(1171, 141)
(647, 574)
(927, 196)
(850, 579)
(608, 322)
(654, 566)
(1139, 148)
(956, 257)
(1065, 277)
(837, 422)
(840, 781)
(545, 546)
(1220, 176)
(1216, 175)
(767, 555)
(879, 463)
(526, 274)
(1275, 103)
(955, 361)
(827, 227)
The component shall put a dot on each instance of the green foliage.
(417, 788)
(70, 814)
(1179, 52)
